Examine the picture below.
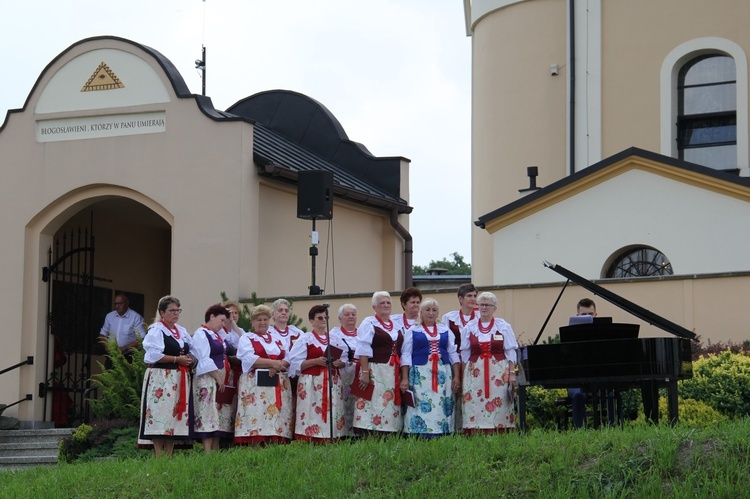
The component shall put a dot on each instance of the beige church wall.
(191, 191)
(688, 224)
(710, 306)
(284, 267)
(179, 173)
(518, 109)
(635, 44)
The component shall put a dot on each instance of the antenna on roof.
(200, 64)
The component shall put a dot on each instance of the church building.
(117, 179)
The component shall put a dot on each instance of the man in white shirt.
(124, 325)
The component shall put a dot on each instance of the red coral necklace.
(488, 328)
(388, 326)
(434, 332)
(464, 321)
(175, 332)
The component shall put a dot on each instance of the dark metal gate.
(71, 331)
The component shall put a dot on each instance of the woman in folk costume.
(459, 319)
(410, 300)
(264, 395)
(430, 369)
(379, 353)
(281, 311)
(212, 420)
(231, 332)
(346, 332)
(166, 383)
(488, 354)
(317, 409)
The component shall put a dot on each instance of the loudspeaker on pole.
(315, 195)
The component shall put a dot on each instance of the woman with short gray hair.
(346, 331)
(488, 356)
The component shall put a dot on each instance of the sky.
(396, 74)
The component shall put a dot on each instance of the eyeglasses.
(119, 303)
(485, 305)
(175, 310)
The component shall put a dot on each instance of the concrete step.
(21, 449)
(45, 449)
(36, 436)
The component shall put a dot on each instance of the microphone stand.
(329, 366)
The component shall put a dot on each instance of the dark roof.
(295, 133)
(577, 176)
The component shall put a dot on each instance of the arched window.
(641, 261)
(707, 111)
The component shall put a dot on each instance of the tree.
(455, 266)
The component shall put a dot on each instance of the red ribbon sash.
(396, 363)
(324, 406)
(278, 386)
(486, 354)
(182, 399)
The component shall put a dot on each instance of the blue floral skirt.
(434, 411)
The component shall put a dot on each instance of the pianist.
(578, 398)
(488, 356)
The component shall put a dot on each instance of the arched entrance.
(109, 245)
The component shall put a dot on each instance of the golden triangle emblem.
(102, 79)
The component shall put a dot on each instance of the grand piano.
(610, 362)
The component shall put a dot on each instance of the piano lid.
(619, 301)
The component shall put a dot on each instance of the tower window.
(707, 113)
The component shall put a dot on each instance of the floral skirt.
(259, 417)
(434, 411)
(380, 413)
(159, 417)
(347, 378)
(487, 411)
(209, 418)
(309, 423)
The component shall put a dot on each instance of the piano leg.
(672, 401)
(650, 395)
(521, 407)
(596, 407)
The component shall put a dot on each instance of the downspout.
(408, 247)
(572, 79)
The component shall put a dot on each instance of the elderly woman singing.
(488, 354)
(264, 395)
(166, 383)
(430, 369)
(378, 349)
(212, 420)
(320, 407)
(346, 332)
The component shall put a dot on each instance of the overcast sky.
(396, 74)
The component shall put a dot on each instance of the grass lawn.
(660, 461)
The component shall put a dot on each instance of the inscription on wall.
(93, 127)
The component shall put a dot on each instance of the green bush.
(692, 413)
(71, 447)
(721, 381)
(120, 386)
(541, 411)
(106, 438)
